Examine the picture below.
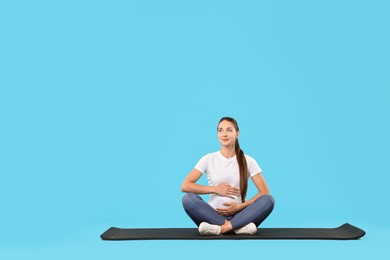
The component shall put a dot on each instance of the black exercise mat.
(343, 232)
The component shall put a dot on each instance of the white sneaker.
(206, 229)
(249, 229)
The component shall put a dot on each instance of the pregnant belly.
(217, 201)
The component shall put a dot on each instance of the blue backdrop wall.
(105, 106)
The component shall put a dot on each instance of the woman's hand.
(226, 190)
(231, 208)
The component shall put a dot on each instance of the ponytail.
(243, 167)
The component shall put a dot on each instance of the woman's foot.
(249, 229)
(206, 229)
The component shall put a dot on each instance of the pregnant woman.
(227, 171)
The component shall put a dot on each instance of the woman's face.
(227, 134)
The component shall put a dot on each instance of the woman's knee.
(267, 199)
(189, 200)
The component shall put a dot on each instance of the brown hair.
(242, 165)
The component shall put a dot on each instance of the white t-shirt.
(220, 169)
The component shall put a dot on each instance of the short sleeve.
(253, 166)
(203, 163)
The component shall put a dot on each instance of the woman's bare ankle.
(226, 227)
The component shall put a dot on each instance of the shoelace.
(213, 229)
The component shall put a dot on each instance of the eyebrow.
(226, 127)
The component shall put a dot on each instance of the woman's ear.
(238, 133)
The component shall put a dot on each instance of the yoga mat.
(343, 232)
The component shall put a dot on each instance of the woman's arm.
(189, 185)
(261, 186)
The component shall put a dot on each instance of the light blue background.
(105, 106)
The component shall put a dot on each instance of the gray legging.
(200, 211)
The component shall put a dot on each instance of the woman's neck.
(228, 151)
